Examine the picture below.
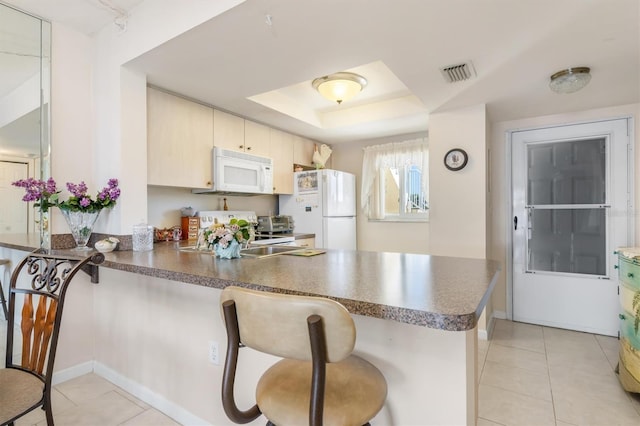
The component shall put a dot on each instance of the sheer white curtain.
(397, 155)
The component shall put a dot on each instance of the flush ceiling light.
(340, 86)
(570, 80)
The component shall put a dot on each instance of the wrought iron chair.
(319, 380)
(40, 283)
(5, 263)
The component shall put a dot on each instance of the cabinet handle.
(615, 266)
(241, 147)
(615, 252)
(630, 275)
(622, 317)
(248, 148)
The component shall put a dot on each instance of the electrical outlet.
(214, 353)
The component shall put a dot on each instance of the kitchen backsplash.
(164, 204)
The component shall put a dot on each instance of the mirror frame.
(42, 158)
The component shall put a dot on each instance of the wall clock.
(456, 159)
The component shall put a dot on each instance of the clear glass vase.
(81, 226)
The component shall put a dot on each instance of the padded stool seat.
(283, 392)
(19, 392)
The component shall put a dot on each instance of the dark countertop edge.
(447, 322)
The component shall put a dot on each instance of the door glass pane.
(567, 240)
(570, 172)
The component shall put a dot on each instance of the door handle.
(515, 223)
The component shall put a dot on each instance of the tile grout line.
(546, 357)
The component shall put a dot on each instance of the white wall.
(72, 121)
(501, 215)
(458, 199)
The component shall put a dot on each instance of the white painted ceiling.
(514, 46)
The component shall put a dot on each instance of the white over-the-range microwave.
(240, 173)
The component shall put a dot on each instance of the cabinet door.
(302, 150)
(256, 139)
(282, 155)
(228, 131)
(179, 141)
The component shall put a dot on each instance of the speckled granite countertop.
(434, 291)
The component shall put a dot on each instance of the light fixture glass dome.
(570, 80)
(340, 86)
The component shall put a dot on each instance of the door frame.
(509, 192)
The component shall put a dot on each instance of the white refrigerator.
(323, 203)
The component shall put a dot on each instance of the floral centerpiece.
(80, 210)
(46, 194)
(226, 240)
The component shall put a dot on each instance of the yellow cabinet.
(179, 141)
(302, 151)
(228, 131)
(256, 139)
(281, 149)
(237, 134)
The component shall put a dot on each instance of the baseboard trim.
(482, 335)
(486, 334)
(499, 315)
(146, 395)
(72, 372)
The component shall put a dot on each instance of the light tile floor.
(529, 375)
(533, 375)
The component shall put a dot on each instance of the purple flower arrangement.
(46, 194)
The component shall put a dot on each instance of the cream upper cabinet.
(179, 141)
(302, 150)
(282, 155)
(237, 134)
(228, 131)
(257, 139)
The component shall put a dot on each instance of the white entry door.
(571, 209)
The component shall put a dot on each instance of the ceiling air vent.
(455, 73)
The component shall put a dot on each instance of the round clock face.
(456, 159)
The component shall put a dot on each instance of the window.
(395, 181)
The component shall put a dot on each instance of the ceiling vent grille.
(459, 72)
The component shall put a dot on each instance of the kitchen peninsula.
(415, 315)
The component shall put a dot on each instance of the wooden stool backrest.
(41, 281)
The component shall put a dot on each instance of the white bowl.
(105, 246)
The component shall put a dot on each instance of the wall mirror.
(25, 59)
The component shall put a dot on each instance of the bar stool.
(36, 304)
(319, 381)
(3, 300)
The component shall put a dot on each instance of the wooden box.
(190, 227)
